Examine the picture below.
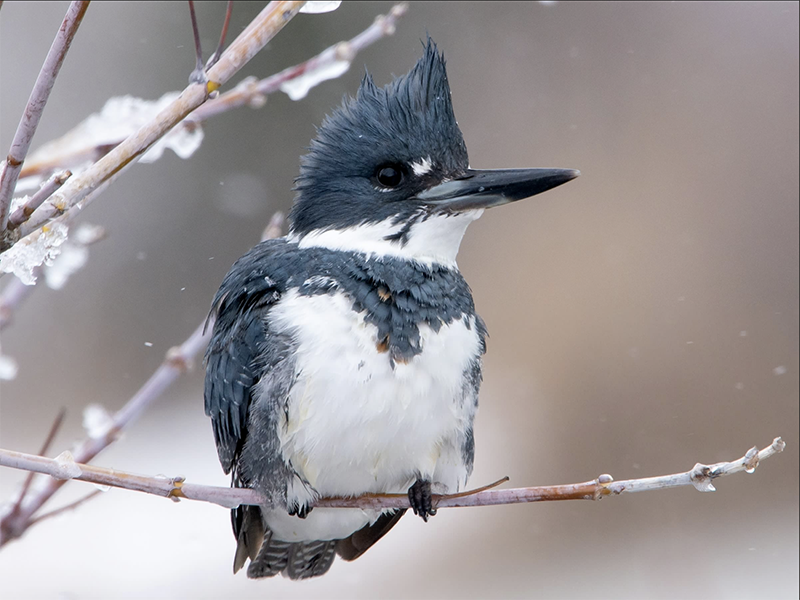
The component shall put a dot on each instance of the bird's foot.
(300, 510)
(420, 498)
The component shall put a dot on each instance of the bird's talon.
(420, 499)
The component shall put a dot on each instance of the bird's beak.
(485, 189)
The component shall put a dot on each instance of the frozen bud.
(67, 467)
(701, 478)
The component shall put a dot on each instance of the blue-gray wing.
(238, 353)
(230, 377)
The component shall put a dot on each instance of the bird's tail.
(269, 556)
(297, 560)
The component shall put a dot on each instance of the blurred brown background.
(642, 318)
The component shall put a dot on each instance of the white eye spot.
(422, 167)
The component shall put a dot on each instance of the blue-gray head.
(388, 172)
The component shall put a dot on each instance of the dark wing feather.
(232, 357)
(353, 546)
(229, 378)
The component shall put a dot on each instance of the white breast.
(355, 422)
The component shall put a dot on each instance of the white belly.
(355, 422)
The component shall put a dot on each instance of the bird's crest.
(408, 120)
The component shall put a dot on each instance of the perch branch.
(35, 107)
(700, 476)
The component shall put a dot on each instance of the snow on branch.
(330, 63)
(128, 130)
(65, 467)
(83, 187)
(100, 132)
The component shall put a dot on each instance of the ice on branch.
(97, 421)
(74, 254)
(67, 467)
(329, 67)
(71, 259)
(298, 88)
(24, 257)
(315, 8)
(118, 119)
(18, 202)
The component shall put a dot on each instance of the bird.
(345, 358)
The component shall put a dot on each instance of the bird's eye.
(389, 176)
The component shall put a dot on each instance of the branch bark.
(23, 213)
(35, 107)
(249, 92)
(81, 189)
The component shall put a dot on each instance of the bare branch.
(251, 92)
(177, 361)
(65, 467)
(67, 507)
(36, 103)
(13, 515)
(199, 74)
(48, 440)
(24, 212)
(218, 52)
(81, 189)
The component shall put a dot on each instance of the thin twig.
(65, 508)
(177, 361)
(65, 467)
(248, 92)
(13, 513)
(198, 75)
(218, 52)
(80, 190)
(24, 212)
(251, 92)
(48, 441)
(36, 103)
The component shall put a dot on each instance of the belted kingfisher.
(346, 357)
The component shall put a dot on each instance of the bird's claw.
(300, 510)
(421, 499)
